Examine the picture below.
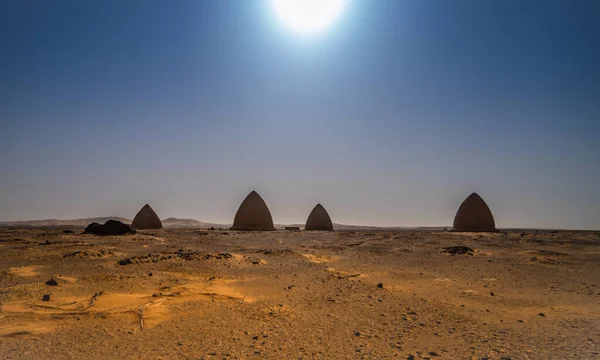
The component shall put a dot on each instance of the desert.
(371, 293)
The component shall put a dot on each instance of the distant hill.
(69, 222)
(190, 223)
(167, 223)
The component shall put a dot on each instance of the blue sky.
(392, 116)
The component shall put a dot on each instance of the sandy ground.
(195, 294)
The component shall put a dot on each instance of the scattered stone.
(150, 274)
(433, 353)
(51, 282)
(111, 227)
(458, 250)
(542, 314)
(380, 285)
(491, 294)
(90, 253)
(46, 297)
(187, 255)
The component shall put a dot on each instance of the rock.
(68, 232)
(46, 297)
(111, 227)
(458, 250)
(433, 353)
(380, 285)
(542, 314)
(410, 357)
(51, 282)
(124, 262)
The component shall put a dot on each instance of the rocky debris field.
(202, 294)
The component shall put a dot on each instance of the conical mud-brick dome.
(318, 219)
(253, 214)
(474, 215)
(146, 219)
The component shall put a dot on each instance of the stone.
(111, 227)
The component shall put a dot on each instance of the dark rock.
(380, 285)
(542, 314)
(51, 282)
(433, 353)
(111, 227)
(125, 262)
(410, 357)
(150, 274)
(491, 294)
(46, 297)
(68, 232)
(458, 250)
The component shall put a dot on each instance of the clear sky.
(391, 116)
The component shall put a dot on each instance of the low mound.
(146, 218)
(318, 219)
(253, 215)
(111, 227)
(474, 215)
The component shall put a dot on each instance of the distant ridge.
(190, 223)
(69, 222)
(170, 222)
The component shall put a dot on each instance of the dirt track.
(219, 294)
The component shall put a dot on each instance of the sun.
(308, 16)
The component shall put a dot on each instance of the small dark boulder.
(458, 250)
(111, 227)
(51, 282)
(46, 297)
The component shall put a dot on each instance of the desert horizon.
(194, 223)
(300, 179)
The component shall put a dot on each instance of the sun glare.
(308, 16)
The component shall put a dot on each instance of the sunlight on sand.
(320, 259)
(26, 271)
(149, 308)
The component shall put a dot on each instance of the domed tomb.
(146, 218)
(253, 215)
(474, 215)
(318, 219)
